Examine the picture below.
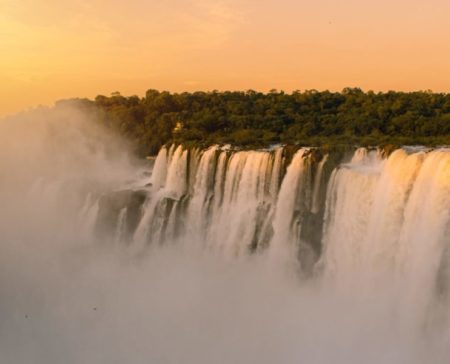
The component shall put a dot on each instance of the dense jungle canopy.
(254, 119)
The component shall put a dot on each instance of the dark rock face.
(110, 207)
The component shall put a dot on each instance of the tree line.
(254, 119)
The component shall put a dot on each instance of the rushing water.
(219, 255)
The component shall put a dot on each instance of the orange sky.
(53, 49)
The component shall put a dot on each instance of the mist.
(70, 296)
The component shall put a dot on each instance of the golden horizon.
(53, 50)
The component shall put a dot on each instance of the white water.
(211, 271)
(286, 230)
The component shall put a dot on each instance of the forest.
(251, 119)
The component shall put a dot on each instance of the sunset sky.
(53, 49)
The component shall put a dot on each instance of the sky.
(55, 49)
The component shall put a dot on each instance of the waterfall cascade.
(358, 220)
(369, 215)
(234, 202)
(281, 255)
(358, 239)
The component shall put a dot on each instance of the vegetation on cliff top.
(254, 119)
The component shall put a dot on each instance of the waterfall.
(285, 225)
(357, 223)
(229, 255)
(376, 212)
(317, 184)
(225, 203)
